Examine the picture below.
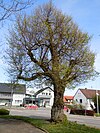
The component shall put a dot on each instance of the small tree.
(48, 45)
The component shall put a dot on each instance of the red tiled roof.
(67, 98)
(89, 93)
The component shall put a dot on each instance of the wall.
(46, 96)
(17, 99)
(85, 102)
(79, 95)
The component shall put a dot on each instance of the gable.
(42, 90)
(79, 95)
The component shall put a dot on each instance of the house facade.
(30, 97)
(12, 94)
(85, 97)
(42, 97)
(45, 97)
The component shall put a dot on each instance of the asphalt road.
(45, 113)
(87, 120)
(41, 113)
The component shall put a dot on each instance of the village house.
(12, 94)
(68, 100)
(85, 97)
(42, 97)
(45, 97)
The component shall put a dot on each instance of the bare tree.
(10, 7)
(48, 45)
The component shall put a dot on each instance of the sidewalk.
(17, 126)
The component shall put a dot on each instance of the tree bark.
(57, 113)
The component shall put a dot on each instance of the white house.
(10, 93)
(45, 97)
(85, 97)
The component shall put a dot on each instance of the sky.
(85, 13)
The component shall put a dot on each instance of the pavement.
(17, 126)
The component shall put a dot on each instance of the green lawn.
(67, 127)
(97, 115)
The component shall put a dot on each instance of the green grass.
(97, 115)
(66, 127)
(4, 111)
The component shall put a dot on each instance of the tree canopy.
(48, 45)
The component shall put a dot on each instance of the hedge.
(82, 112)
(4, 112)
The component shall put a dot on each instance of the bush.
(97, 115)
(82, 112)
(76, 106)
(4, 112)
(90, 112)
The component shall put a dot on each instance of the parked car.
(66, 108)
(31, 106)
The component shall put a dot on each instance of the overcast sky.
(86, 13)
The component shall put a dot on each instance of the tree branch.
(7, 9)
(37, 62)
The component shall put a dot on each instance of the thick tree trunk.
(57, 113)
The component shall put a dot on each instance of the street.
(45, 113)
(87, 120)
(41, 113)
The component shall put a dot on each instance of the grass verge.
(97, 115)
(66, 127)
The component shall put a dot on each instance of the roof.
(16, 88)
(65, 98)
(89, 93)
(41, 90)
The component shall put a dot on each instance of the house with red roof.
(68, 99)
(85, 97)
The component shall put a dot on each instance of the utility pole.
(97, 94)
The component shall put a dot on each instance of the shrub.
(90, 112)
(4, 112)
(76, 106)
(82, 112)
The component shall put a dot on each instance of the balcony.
(44, 96)
(6, 96)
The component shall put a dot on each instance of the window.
(80, 100)
(47, 103)
(76, 100)
(18, 101)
